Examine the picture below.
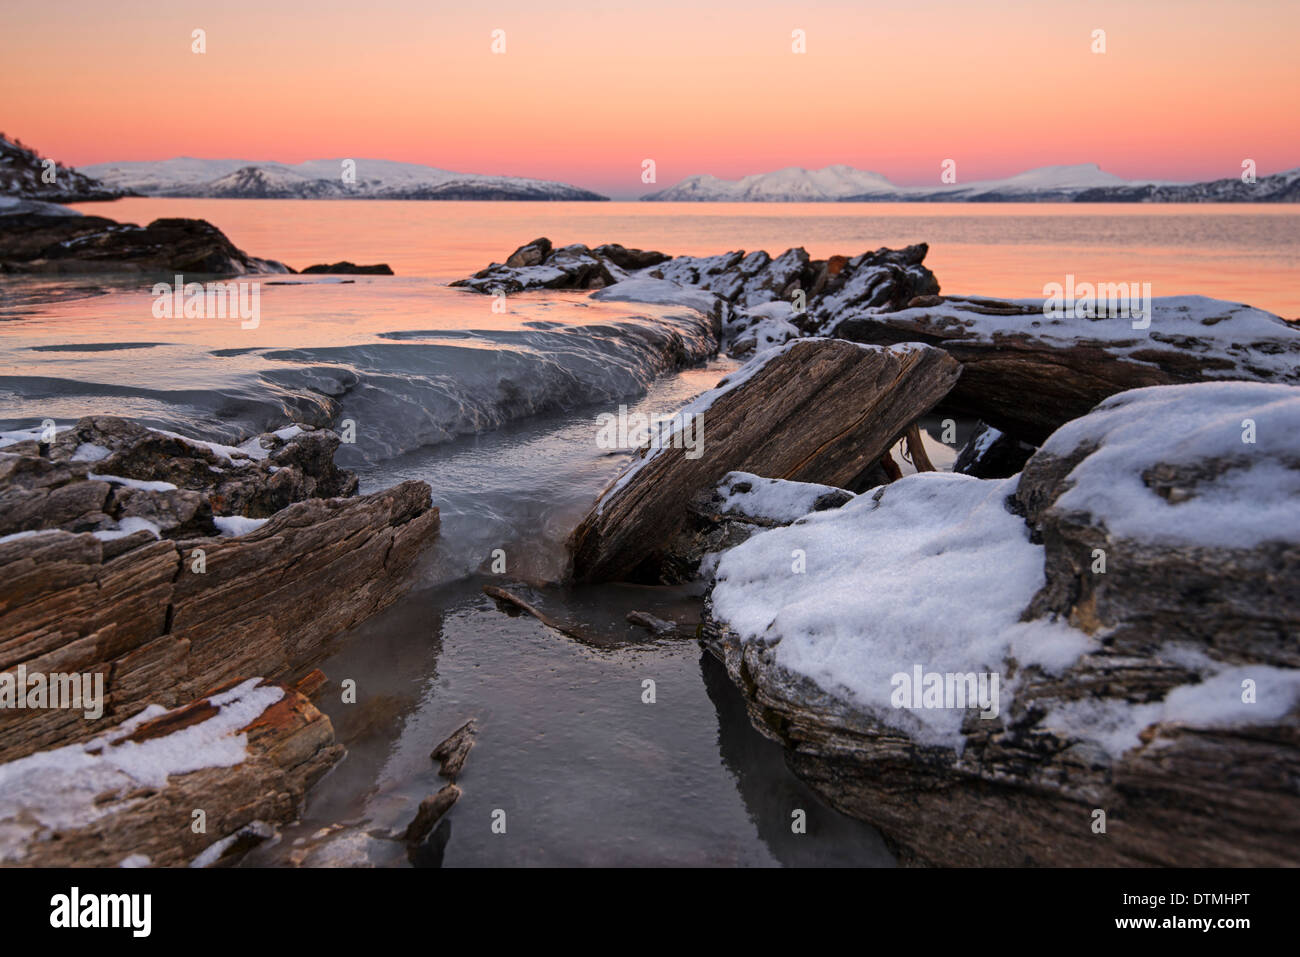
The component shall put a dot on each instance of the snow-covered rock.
(1026, 371)
(1131, 593)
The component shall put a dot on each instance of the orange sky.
(1187, 89)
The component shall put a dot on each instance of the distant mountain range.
(23, 174)
(322, 179)
(1081, 183)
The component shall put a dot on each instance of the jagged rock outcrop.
(992, 454)
(244, 757)
(106, 469)
(26, 175)
(818, 410)
(346, 268)
(1066, 365)
(111, 564)
(1150, 691)
(37, 243)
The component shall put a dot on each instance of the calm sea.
(1242, 253)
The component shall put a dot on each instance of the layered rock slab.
(166, 620)
(814, 410)
(244, 757)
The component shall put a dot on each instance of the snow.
(17, 206)
(129, 526)
(773, 500)
(1198, 326)
(1116, 725)
(374, 177)
(14, 536)
(140, 484)
(237, 454)
(57, 789)
(236, 525)
(931, 570)
(658, 292)
(1252, 500)
(90, 452)
(833, 183)
(24, 435)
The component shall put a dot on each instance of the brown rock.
(819, 411)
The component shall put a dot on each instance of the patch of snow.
(1253, 498)
(90, 452)
(1116, 725)
(235, 525)
(931, 570)
(128, 526)
(140, 484)
(57, 789)
(766, 499)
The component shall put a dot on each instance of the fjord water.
(1242, 253)
(497, 411)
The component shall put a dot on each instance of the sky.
(585, 92)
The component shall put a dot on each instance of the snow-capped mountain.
(1084, 182)
(323, 179)
(793, 184)
(24, 174)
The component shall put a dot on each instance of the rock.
(167, 620)
(84, 806)
(1161, 690)
(23, 173)
(174, 483)
(430, 812)
(532, 254)
(570, 267)
(742, 504)
(992, 454)
(349, 269)
(656, 626)
(1010, 350)
(453, 751)
(746, 282)
(813, 411)
(630, 259)
(66, 245)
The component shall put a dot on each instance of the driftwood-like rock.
(244, 758)
(1027, 374)
(817, 411)
(165, 621)
(453, 751)
(430, 812)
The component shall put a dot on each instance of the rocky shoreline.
(170, 569)
(1116, 545)
(1116, 553)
